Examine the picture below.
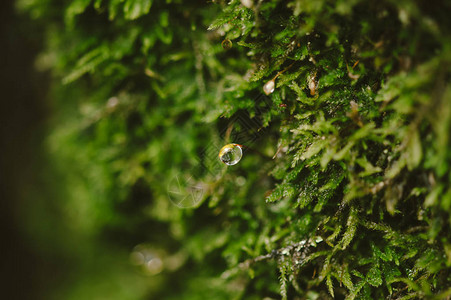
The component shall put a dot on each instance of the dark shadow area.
(23, 273)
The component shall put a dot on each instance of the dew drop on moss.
(268, 88)
(231, 154)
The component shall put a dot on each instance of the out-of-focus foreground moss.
(344, 189)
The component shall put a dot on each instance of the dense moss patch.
(344, 188)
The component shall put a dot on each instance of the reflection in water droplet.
(231, 154)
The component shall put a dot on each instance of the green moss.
(350, 152)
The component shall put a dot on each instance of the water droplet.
(268, 88)
(231, 154)
(226, 44)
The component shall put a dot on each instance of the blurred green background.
(87, 168)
